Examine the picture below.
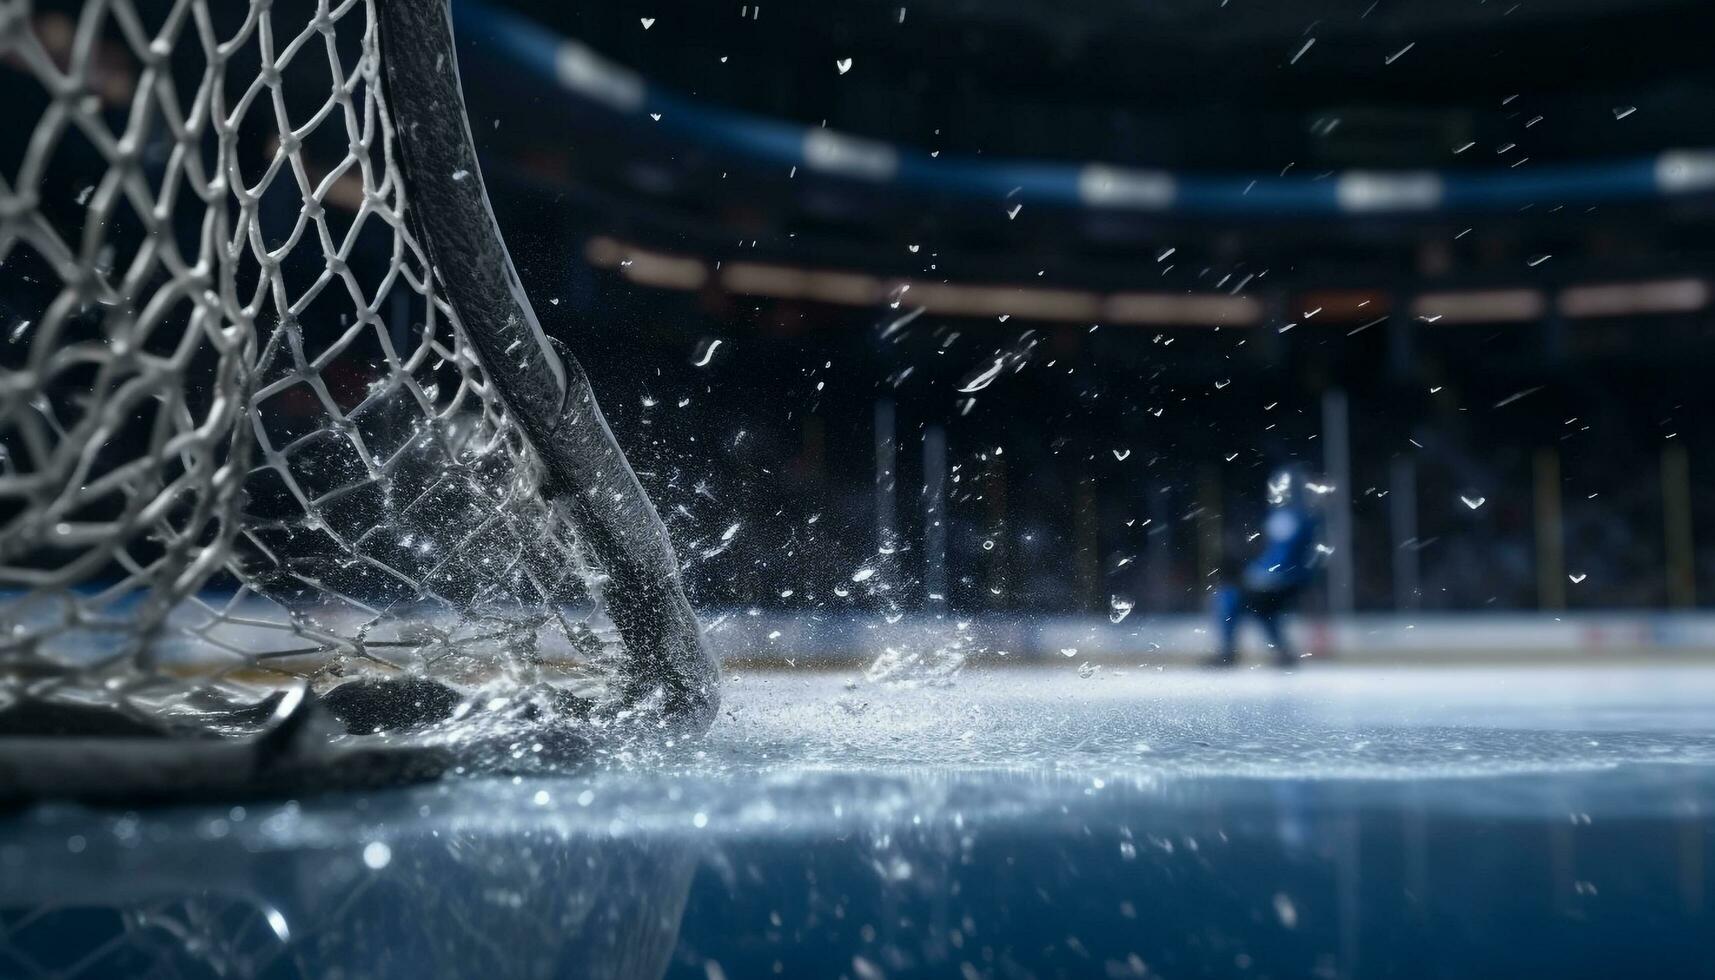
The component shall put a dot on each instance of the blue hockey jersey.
(1288, 559)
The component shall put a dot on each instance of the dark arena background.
(986, 363)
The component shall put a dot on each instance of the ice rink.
(1032, 821)
(534, 489)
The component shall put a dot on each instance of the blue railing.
(592, 81)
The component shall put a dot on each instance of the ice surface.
(809, 752)
(1026, 821)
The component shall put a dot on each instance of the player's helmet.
(1288, 484)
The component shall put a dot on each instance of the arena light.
(1008, 301)
(1360, 191)
(664, 271)
(951, 299)
(597, 79)
(605, 253)
(1179, 309)
(1113, 187)
(789, 282)
(647, 268)
(756, 279)
(1685, 171)
(843, 288)
(849, 156)
(1340, 305)
(1480, 306)
(1635, 298)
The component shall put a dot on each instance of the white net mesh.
(243, 439)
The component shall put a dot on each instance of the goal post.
(279, 429)
(548, 391)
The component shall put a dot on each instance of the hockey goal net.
(277, 423)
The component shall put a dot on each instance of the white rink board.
(820, 636)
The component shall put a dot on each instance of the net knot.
(16, 208)
(156, 54)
